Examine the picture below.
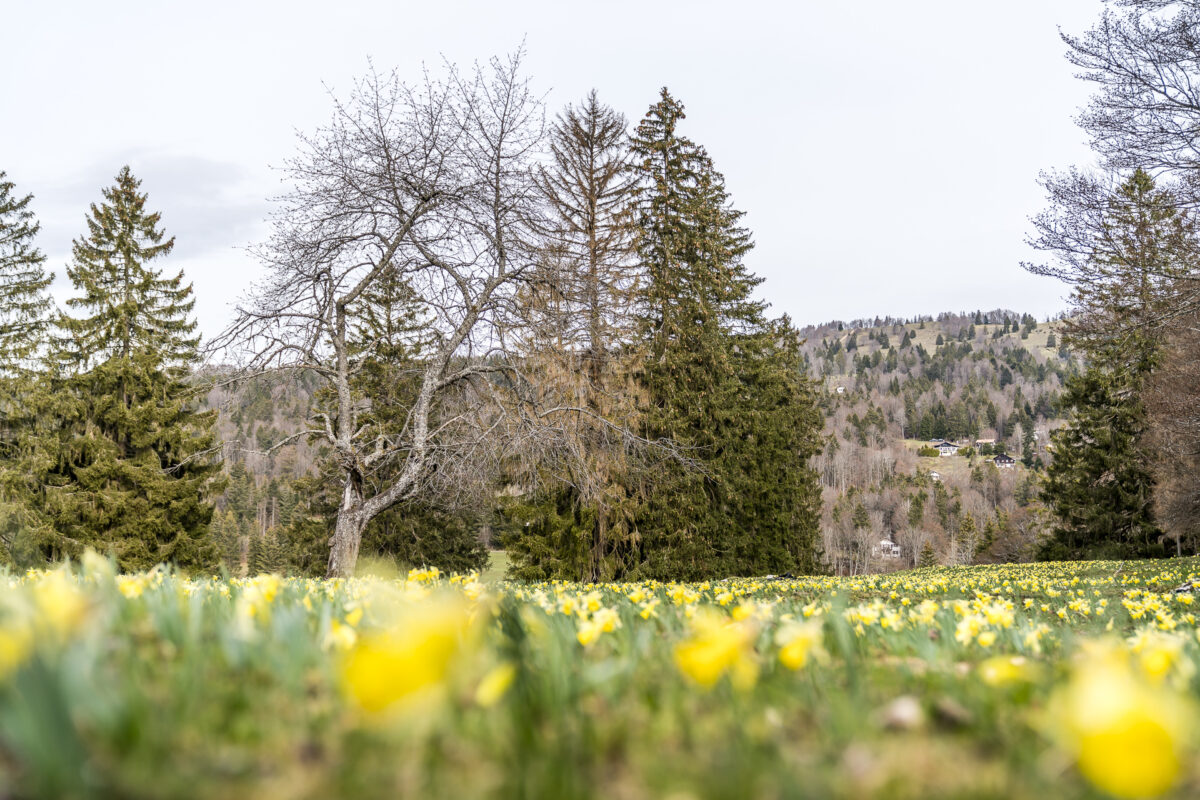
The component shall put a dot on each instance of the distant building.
(1003, 461)
(840, 390)
(887, 549)
(948, 449)
(935, 476)
(980, 442)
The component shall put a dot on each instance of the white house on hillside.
(887, 549)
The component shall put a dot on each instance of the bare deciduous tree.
(1145, 62)
(432, 187)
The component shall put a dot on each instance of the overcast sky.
(886, 153)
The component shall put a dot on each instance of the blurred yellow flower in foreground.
(1127, 735)
(495, 684)
(339, 636)
(715, 647)
(1161, 656)
(1005, 670)
(605, 620)
(415, 655)
(16, 643)
(797, 642)
(59, 603)
(132, 586)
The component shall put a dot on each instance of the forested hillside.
(891, 386)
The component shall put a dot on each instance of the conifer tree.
(267, 555)
(24, 302)
(578, 314)
(129, 470)
(1099, 484)
(24, 316)
(226, 535)
(1131, 246)
(717, 377)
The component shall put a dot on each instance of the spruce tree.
(1099, 484)
(717, 378)
(131, 472)
(24, 316)
(24, 302)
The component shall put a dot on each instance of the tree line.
(547, 322)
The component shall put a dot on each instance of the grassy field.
(1026, 681)
(497, 567)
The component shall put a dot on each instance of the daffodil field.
(1047, 680)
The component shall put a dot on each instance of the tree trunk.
(347, 534)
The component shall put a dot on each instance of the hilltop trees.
(125, 456)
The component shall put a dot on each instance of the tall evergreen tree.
(578, 313)
(1125, 251)
(717, 378)
(1099, 485)
(24, 302)
(24, 317)
(129, 470)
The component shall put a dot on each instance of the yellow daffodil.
(495, 684)
(716, 647)
(798, 642)
(1127, 735)
(415, 655)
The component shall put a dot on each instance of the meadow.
(1035, 680)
